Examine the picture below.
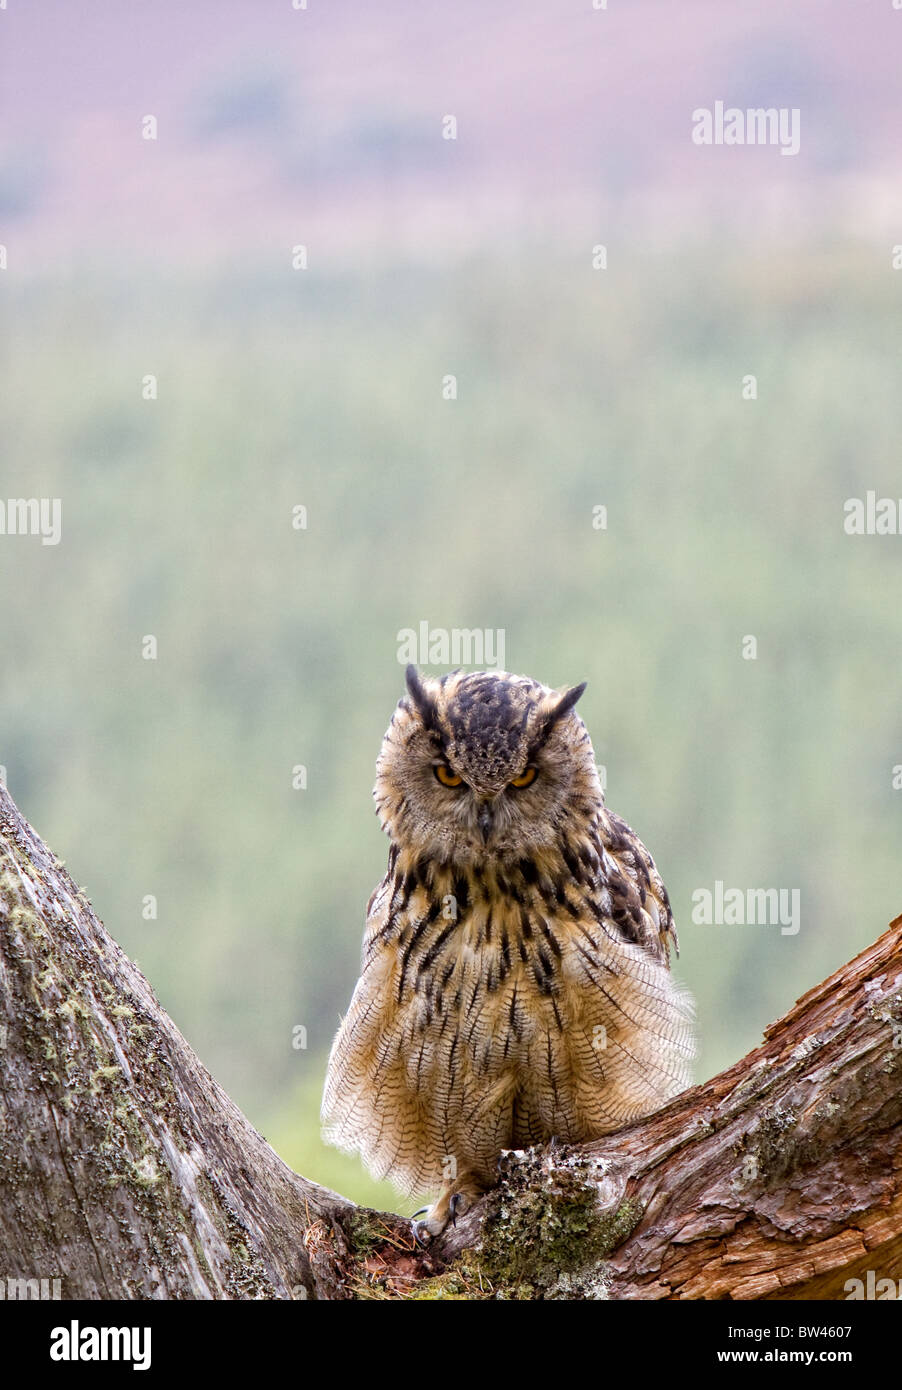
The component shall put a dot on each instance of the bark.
(127, 1172)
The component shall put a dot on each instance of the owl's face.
(484, 766)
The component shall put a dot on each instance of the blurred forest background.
(322, 388)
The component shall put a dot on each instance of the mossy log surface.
(781, 1178)
(127, 1172)
(125, 1169)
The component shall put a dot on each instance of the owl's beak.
(485, 821)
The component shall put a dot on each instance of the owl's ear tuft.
(564, 705)
(422, 701)
(552, 714)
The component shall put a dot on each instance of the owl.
(515, 983)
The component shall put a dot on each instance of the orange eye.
(525, 778)
(447, 777)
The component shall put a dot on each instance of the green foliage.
(278, 647)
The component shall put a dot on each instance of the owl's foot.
(455, 1198)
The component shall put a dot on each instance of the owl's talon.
(420, 1230)
(455, 1202)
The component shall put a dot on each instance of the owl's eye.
(525, 778)
(447, 777)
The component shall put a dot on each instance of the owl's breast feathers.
(501, 1005)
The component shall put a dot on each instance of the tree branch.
(779, 1178)
(127, 1172)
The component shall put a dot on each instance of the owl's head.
(484, 766)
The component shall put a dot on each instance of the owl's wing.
(640, 906)
(377, 1077)
(375, 917)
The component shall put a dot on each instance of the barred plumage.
(515, 982)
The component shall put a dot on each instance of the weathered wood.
(125, 1169)
(782, 1176)
(127, 1172)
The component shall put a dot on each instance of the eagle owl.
(515, 983)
